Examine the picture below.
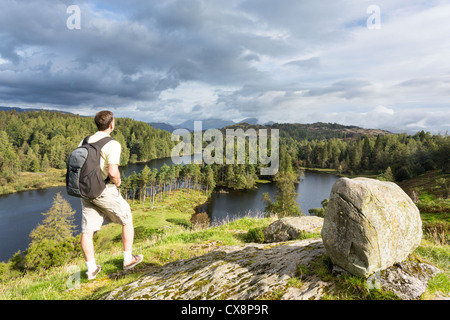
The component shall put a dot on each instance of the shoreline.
(31, 181)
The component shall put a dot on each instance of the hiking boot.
(135, 260)
(93, 274)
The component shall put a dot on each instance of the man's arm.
(114, 174)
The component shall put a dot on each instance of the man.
(110, 205)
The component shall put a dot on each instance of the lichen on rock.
(251, 271)
(292, 270)
(290, 228)
(370, 225)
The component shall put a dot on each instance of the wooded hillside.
(38, 140)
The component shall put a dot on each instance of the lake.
(21, 212)
(312, 189)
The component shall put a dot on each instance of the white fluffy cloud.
(284, 61)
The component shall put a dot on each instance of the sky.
(376, 64)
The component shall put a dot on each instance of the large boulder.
(369, 225)
(290, 228)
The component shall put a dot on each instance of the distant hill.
(212, 123)
(313, 131)
(206, 124)
(163, 126)
(249, 121)
(320, 130)
(2, 108)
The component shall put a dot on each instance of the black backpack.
(84, 176)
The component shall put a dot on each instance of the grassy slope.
(435, 213)
(27, 181)
(164, 234)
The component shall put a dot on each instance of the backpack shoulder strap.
(100, 143)
(85, 141)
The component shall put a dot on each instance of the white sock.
(91, 265)
(127, 256)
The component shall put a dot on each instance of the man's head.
(103, 120)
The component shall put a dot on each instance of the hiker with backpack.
(93, 175)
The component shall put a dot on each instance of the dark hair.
(103, 119)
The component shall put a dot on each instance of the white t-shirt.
(110, 153)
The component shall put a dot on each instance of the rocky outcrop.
(289, 271)
(370, 228)
(290, 228)
(252, 271)
(369, 225)
(408, 279)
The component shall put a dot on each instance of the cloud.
(285, 61)
(380, 110)
(305, 64)
(409, 121)
(345, 88)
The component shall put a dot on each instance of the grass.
(27, 181)
(165, 233)
(263, 181)
(434, 207)
(162, 234)
(345, 287)
(367, 174)
(439, 255)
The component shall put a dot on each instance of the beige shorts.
(110, 206)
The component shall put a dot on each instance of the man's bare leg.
(127, 237)
(87, 245)
(129, 260)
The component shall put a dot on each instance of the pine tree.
(33, 161)
(209, 178)
(45, 163)
(285, 197)
(125, 152)
(144, 179)
(152, 181)
(58, 224)
(163, 175)
(52, 243)
(387, 175)
(229, 176)
(286, 194)
(133, 183)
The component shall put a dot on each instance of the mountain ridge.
(308, 131)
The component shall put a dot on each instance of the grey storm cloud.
(346, 88)
(236, 58)
(148, 47)
(311, 63)
(155, 48)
